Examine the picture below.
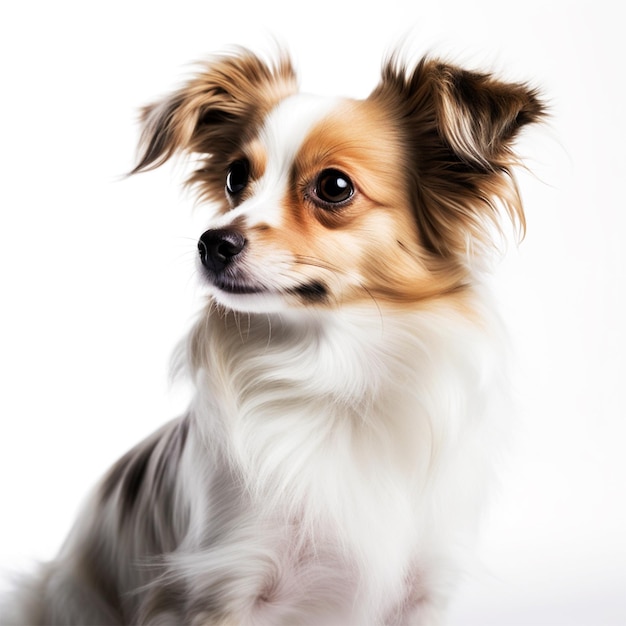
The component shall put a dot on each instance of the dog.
(349, 365)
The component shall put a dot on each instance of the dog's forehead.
(280, 138)
(288, 125)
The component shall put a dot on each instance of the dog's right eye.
(333, 189)
(237, 177)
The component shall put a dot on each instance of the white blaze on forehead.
(285, 129)
(289, 123)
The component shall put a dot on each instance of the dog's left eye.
(333, 188)
(237, 176)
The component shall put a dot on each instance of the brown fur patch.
(457, 128)
(368, 248)
(213, 115)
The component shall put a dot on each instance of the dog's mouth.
(308, 292)
(314, 290)
(236, 287)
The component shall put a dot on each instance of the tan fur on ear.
(213, 111)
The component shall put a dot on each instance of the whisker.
(237, 317)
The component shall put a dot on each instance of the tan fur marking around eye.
(369, 248)
(356, 139)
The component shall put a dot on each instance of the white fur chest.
(348, 448)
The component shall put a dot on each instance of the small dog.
(348, 366)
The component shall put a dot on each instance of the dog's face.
(317, 212)
(324, 202)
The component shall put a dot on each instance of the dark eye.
(237, 176)
(333, 187)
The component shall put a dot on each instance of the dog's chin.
(244, 301)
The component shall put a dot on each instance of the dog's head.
(329, 201)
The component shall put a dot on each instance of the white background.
(97, 271)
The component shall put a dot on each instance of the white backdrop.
(97, 271)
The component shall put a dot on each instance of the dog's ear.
(478, 115)
(211, 113)
(458, 129)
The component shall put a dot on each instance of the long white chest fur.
(347, 471)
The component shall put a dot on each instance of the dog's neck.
(345, 354)
(377, 371)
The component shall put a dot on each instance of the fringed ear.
(458, 129)
(480, 116)
(211, 113)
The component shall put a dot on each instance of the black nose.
(219, 247)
